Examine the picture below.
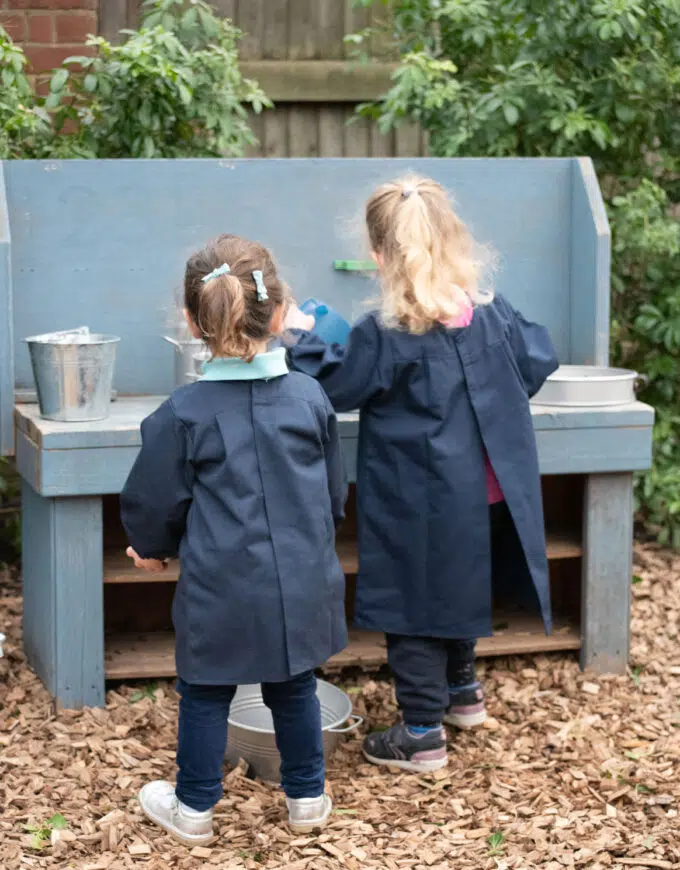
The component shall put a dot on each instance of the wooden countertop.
(121, 428)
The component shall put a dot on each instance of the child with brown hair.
(448, 484)
(240, 475)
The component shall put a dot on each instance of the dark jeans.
(202, 738)
(424, 668)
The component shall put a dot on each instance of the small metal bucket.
(73, 373)
(251, 728)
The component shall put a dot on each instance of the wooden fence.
(296, 50)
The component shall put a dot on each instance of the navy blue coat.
(428, 405)
(241, 476)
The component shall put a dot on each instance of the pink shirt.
(493, 488)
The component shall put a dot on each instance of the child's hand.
(153, 566)
(295, 319)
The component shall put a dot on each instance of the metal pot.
(251, 728)
(185, 350)
(589, 386)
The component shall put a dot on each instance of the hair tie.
(216, 273)
(262, 294)
(407, 191)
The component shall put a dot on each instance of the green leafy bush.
(171, 89)
(598, 77)
(25, 127)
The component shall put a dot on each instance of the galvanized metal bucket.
(251, 728)
(73, 373)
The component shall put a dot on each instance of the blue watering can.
(328, 325)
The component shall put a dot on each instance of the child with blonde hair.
(240, 476)
(448, 484)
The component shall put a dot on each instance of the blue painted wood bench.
(104, 243)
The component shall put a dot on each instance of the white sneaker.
(307, 814)
(160, 804)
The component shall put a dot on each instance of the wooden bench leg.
(63, 595)
(607, 571)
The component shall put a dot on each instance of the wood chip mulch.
(572, 770)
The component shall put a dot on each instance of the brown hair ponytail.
(232, 314)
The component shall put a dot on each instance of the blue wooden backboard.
(103, 244)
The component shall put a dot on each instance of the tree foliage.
(599, 77)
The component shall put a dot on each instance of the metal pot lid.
(591, 373)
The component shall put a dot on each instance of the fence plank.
(332, 131)
(330, 29)
(275, 134)
(250, 18)
(256, 123)
(302, 29)
(303, 131)
(356, 18)
(381, 42)
(227, 8)
(134, 12)
(382, 144)
(320, 81)
(357, 135)
(407, 140)
(113, 17)
(275, 30)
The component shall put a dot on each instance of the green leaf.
(496, 841)
(511, 114)
(58, 80)
(636, 579)
(52, 101)
(38, 841)
(90, 83)
(57, 822)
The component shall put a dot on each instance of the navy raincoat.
(429, 405)
(240, 475)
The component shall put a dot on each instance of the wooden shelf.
(563, 546)
(119, 569)
(140, 656)
(152, 655)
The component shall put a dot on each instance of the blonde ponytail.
(429, 270)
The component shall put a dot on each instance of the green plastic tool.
(354, 265)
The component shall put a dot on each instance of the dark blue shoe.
(397, 747)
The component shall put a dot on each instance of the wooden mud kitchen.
(104, 243)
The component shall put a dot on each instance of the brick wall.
(49, 30)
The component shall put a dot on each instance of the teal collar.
(271, 364)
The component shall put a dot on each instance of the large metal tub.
(251, 728)
(588, 386)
